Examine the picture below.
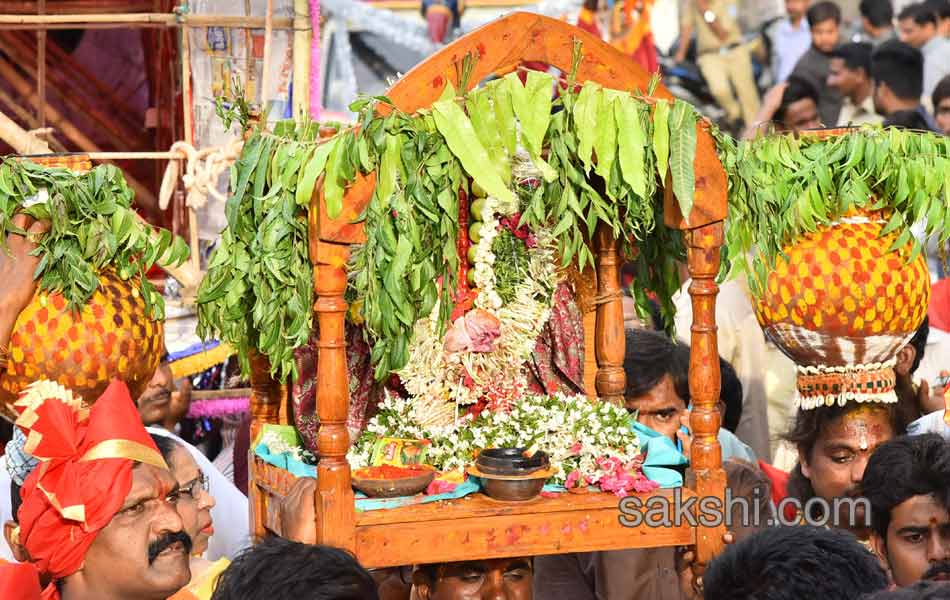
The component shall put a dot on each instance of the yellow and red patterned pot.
(842, 306)
(112, 337)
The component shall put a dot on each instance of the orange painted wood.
(267, 396)
(590, 358)
(703, 252)
(334, 497)
(609, 342)
(344, 228)
(477, 527)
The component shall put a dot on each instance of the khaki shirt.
(858, 115)
(726, 12)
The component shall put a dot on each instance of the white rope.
(203, 170)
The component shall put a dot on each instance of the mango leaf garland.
(482, 113)
(600, 155)
(532, 107)
(683, 154)
(586, 108)
(92, 228)
(460, 136)
(661, 138)
(631, 147)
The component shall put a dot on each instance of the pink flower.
(642, 485)
(440, 487)
(576, 448)
(609, 464)
(572, 479)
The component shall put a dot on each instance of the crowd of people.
(891, 69)
(109, 502)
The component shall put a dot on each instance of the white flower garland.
(584, 440)
(436, 380)
(488, 299)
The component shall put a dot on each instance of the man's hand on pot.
(16, 272)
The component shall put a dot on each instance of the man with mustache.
(98, 517)
(155, 402)
(907, 482)
(17, 266)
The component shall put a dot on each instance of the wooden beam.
(29, 118)
(123, 111)
(21, 141)
(22, 87)
(186, 95)
(41, 68)
(119, 135)
(20, 7)
(302, 39)
(268, 38)
(126, 20)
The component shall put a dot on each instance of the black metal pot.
(510, 461)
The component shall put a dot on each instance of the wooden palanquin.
(476, 527)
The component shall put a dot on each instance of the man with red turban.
(98, 517)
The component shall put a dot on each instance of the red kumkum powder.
(389, 472)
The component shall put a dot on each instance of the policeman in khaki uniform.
(725, 62)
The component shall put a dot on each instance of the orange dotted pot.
(842, 306)
(110, 338)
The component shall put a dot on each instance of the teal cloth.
(662, 455)
(363, 503)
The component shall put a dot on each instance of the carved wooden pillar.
(609, 340)
(704, 245)
(334, 498)
(267, 396)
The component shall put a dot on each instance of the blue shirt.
(788, 45)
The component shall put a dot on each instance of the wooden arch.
(473, 527)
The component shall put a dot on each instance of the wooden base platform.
(477, 527)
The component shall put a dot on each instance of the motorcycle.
(685, 81)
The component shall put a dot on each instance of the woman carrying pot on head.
(194, 506)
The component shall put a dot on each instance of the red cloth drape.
(939, 309)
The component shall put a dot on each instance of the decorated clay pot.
(842, 306)
(110, 338)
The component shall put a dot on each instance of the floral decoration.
(480, 359)
(588, 443)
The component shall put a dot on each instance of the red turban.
(85, 473)
(19, 581)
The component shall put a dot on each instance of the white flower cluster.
(278, 445)
(488, 299)
(578, 435)
(436, 379)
